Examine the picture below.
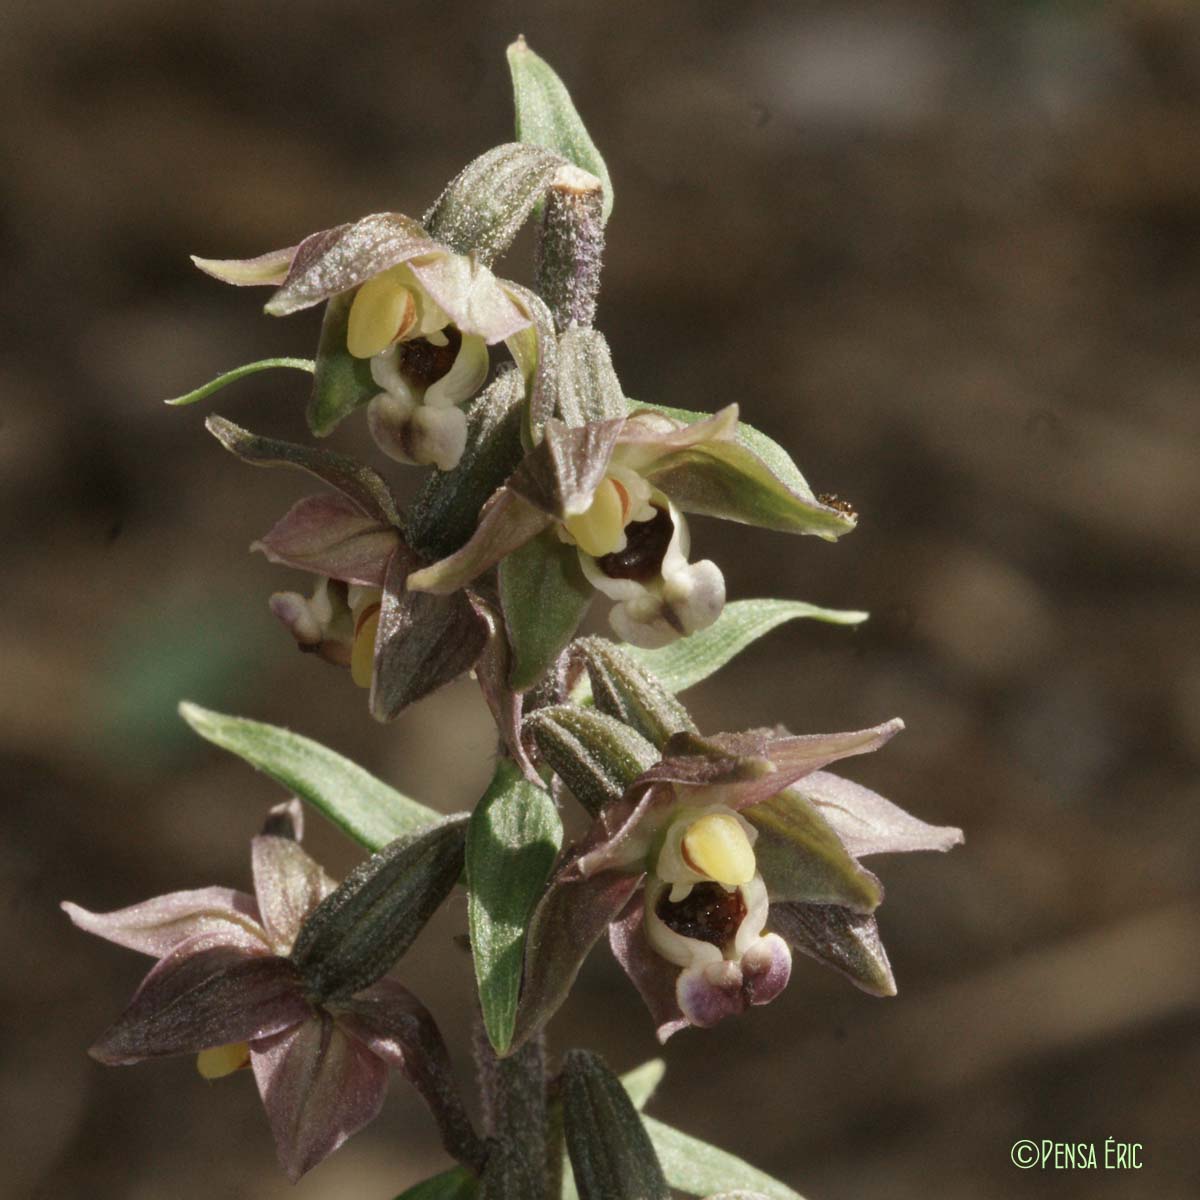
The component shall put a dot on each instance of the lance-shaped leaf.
(847, 941)
(357, 483)
(595, 755)
(370, 811)
(455, 1184)
(866, 823)
(485, 205)
(547, 117)
(513, 839)
(686, 662)
(611, 1154)
(699, 1169)
(444, 515)
(228, 377)
(535, 351)
(622, 688)
(341, 382)
(422, 642)
(544, 596)
(588, 388)
(360, 931)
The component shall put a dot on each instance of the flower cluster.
(709, 860)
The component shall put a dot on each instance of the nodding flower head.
(414, 315)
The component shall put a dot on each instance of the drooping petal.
(506, 522)
(321, 623)
(566, 924)
(319, 1086)
(423, 641)
(359, 484)
(869, 824)
(417, 434)
(847, 941)
(205, 993)
(269, 268)
(766, 968)
(330, 535)
(289, 884)
(750, 767)
(709, 992)
(652, 975)
(394, 1025)
(157, 926)
(648, 436)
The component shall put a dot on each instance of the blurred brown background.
(948, 253)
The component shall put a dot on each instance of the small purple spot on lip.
(646, 545)
(708, 914)
(422, 363)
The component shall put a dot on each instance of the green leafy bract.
(370, 811)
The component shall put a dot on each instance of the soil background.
(949, 254)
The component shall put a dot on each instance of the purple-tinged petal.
(709, 993)
(649, 435)
(566, 924)
(561, 474)
(319, 1087)
(505, 704)
(393, 1024)
(423, 641)
(869, 824)
(766, 968)
(651, 974)
(269, 268)
(741, 763)
(846, 941)
(289, 884)
(330, 535)
(340, 259)
(157, 926)
(205, 993)
(506, 522)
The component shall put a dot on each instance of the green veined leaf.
(611, 1155)
(544, 596)
(215, 385)
(456, 1184)
(691, 659)
(699, 1169)
(368, 809)
(547, 117)
(512, 842)
(641, 1083)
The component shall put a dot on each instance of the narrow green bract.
(353, 799)
(512, 842)
(689, 660)
(547, 117)
(215, 385)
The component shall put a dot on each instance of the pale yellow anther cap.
(222, 1060)
(717, 846)
(600, 528)
(383, 310)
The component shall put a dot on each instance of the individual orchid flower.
(399, 644)
(406, 330)
(225, 989)
(617, 490)
(717, 862)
